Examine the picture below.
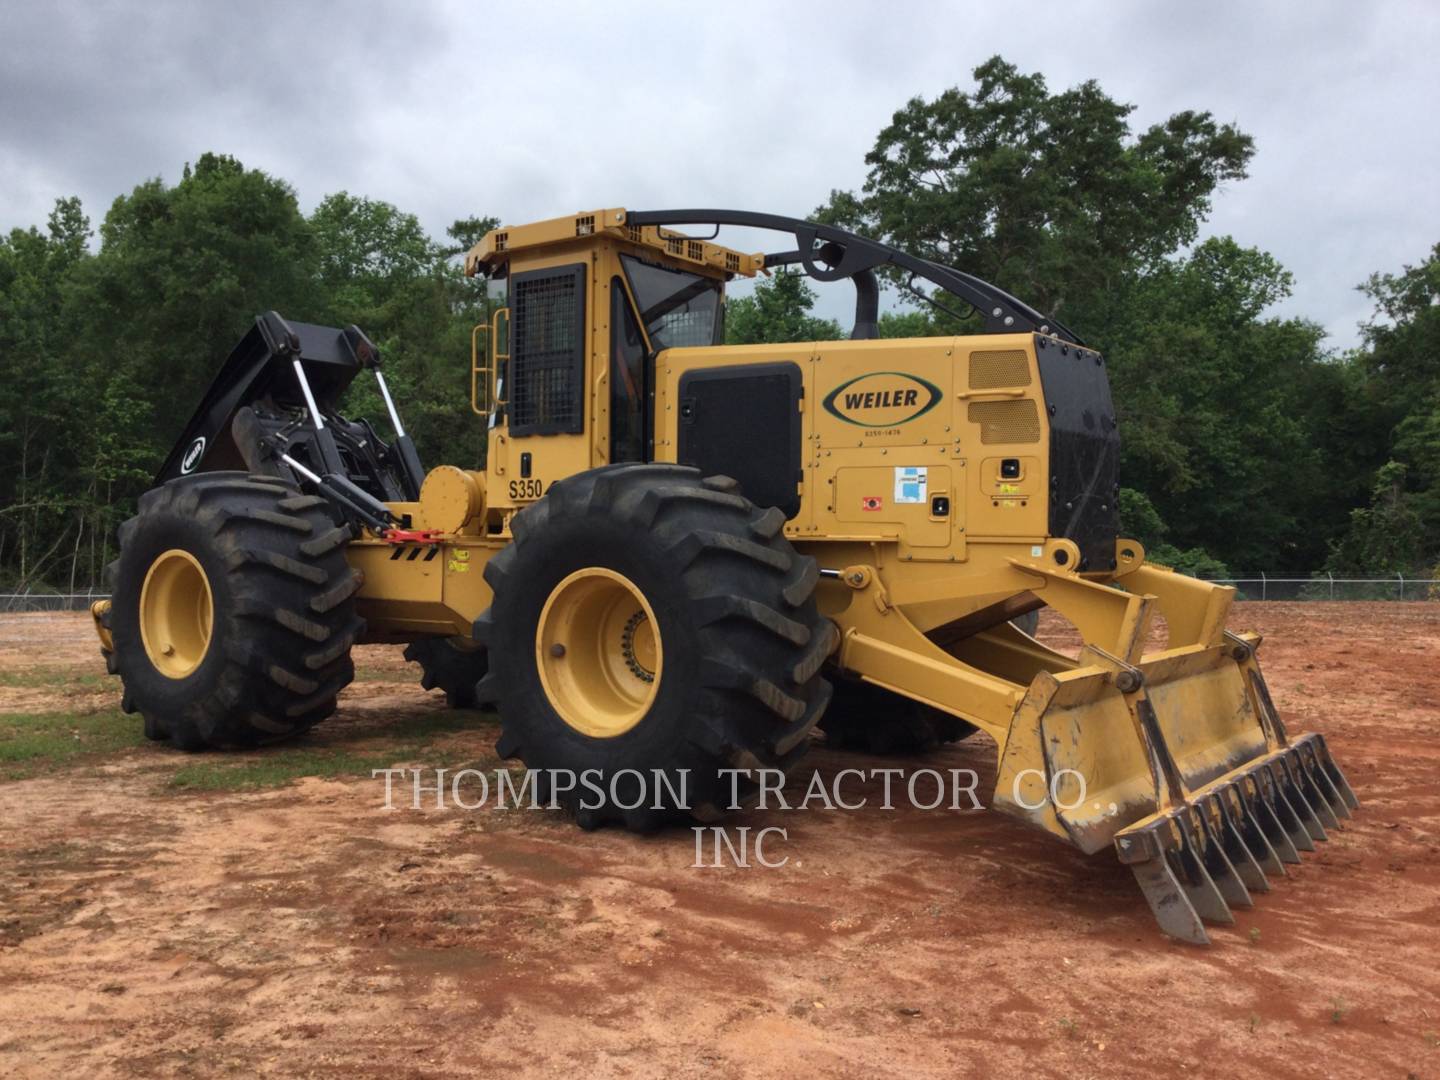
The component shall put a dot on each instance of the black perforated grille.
(547, 354)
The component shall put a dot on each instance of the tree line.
(1248, 444)
(106, 350)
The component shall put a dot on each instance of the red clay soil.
(306, 930)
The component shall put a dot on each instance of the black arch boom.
(827, 253)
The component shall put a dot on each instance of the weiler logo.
(882, 399)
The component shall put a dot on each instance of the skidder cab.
(681, 557)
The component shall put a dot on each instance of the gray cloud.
(451, 110)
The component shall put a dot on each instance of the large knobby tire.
(872, 720)
(674, 571)
(233, 611)
(452, 665)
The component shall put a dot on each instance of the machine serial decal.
(882, 399)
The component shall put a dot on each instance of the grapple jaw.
(1179, 759)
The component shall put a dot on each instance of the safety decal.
(872, 502)
(909, 484)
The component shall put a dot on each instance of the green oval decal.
(882, 399)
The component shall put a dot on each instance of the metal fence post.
(1402, 584)
(1262, 585)
(1331, 576)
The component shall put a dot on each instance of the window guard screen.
(547, 352)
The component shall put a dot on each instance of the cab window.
(677, 308)
(628, 385)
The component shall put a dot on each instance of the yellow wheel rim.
(176, 613)
(598, 651)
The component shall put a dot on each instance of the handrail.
(476, 370)
(490, 369)
(496, 387)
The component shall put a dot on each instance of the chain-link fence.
(1255, 586)
(1263, 586)
(41, 601)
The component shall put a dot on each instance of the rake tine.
(1317, 756)
(1314, 790)
(1241, 857)
(1218, 865)
(1284, 812)
(1197, 882)
(1258, 836)
(1168, 902)
(1296, 794)
(1328, 766)
(1330, 792)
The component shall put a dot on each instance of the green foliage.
(105, 354)
(778, 311)
(1141, 521)
(379, 270)
(182, 272)
(908, 324)
(1050, 196)
(467, 232)
(1387, 536)
(1402, 365)
(1221, 408)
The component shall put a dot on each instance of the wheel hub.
(638, 644)
(176, 613)
(598, 652)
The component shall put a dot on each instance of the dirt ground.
(303, 929)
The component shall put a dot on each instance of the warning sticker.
(909, 484)
(871, 502)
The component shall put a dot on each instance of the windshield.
(677, 308)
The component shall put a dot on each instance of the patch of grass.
(283, 764)
(52, 678)
(1337, 1010)
(1069, 1027)
(1254, 935)
(438, 723)
(31, 743)
(273, 769)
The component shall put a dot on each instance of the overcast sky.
(532, 110)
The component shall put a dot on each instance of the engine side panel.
(936, 446)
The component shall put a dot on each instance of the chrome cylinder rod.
(309, 397)
(389, 405)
